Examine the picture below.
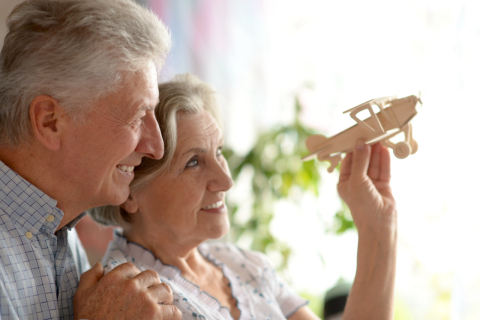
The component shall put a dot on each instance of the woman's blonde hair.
(184, 94)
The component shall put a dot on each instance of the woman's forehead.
(197, 128)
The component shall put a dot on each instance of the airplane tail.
(333, 162)
(314, 144)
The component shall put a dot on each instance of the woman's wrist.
(377, 251)
(376, 225)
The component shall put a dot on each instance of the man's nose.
(151, 142)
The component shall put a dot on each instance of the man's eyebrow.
(150, 108)
(146, 108)
(156, 103)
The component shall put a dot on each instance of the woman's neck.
(186, 257)
(191, 263)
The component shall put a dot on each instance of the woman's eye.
(192, 162)
(219, 152)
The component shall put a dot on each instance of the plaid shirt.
(39, 270)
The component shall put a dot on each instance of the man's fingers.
(125, 270)
(162, 293)
(147, 278)
(361, 159)
(90, 277)
(169, 312)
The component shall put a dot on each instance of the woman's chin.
(219, 232)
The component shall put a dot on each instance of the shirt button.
(50, 218)
(29, 235)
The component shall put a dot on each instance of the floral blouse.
(260, 294)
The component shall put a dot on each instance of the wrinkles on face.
(172, 208)
(125, 110)
(204, 143)
(98, 149)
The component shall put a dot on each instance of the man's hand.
(364, 184)
(124, 293)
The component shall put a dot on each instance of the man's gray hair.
(75, 51)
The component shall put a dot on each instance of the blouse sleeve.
(287, 299)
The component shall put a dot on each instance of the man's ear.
(131, 205)
(47, 117)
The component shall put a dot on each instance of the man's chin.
(119, 189)
(118, 197)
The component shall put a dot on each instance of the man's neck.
(35, 166)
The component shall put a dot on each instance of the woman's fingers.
(374, 166)
(384, 174)
(379, 168)
(360, 161)
(346, 167)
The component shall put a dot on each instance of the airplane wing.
(377, 126)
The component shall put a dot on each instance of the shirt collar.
(30, 209)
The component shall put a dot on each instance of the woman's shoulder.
(231, 252)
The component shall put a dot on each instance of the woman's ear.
(46, 118)
(131, 205)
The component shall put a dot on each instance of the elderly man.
(78, 86)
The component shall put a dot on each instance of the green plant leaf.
(278, 171)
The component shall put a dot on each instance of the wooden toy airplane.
(394, 118)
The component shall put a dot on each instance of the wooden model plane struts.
(393, 118)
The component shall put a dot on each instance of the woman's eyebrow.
(195, 150)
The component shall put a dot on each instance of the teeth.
(126, 168)
(215, 205)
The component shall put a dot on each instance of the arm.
(304, 313)
(124, 293)
(364, 184)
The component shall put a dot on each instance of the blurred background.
(283, 66)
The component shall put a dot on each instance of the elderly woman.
(177, 203)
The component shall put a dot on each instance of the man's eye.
(219, 152)
(192, 162)
(138, 120)
(137, 123)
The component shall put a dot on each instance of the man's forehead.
(139, 91)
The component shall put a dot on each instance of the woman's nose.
(221, 178)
